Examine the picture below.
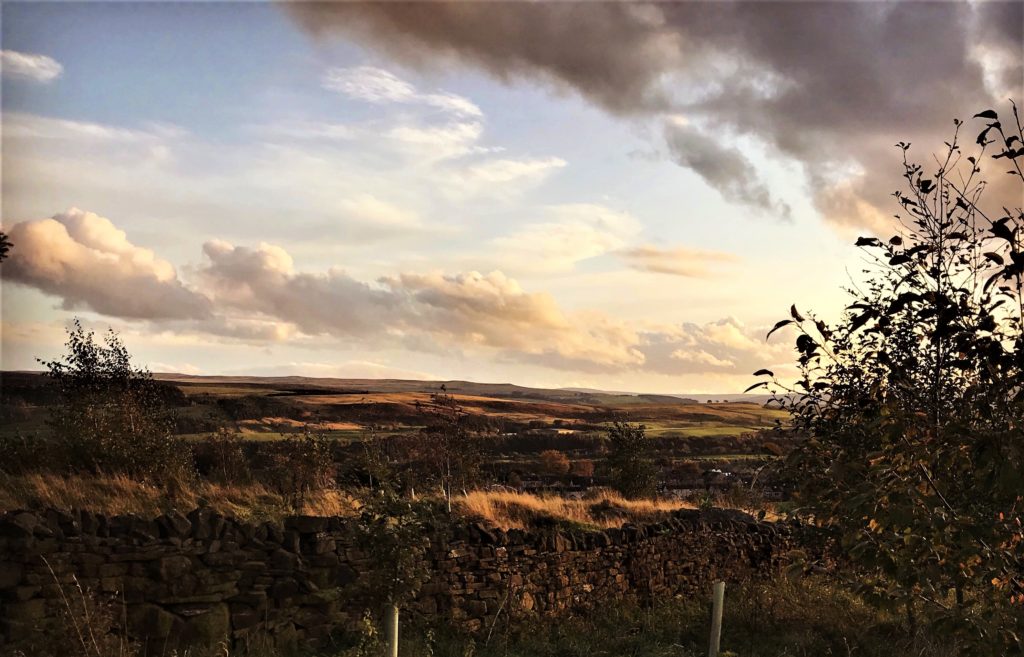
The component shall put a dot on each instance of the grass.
(601, 509)
(808, 617)
(114, 495)
(779, 617)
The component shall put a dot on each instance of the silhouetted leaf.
(994, 257)
(806, 344)
(868, 241)
(778, 325)
(987, 114)
(796, 315)
(859, 320)
(759, 384)
(999, 229)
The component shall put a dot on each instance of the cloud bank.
(830, 86)
(257, 294)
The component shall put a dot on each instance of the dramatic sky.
(622, 196)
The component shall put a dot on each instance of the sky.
(621, 196)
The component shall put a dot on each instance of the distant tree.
(303, 463)
(583, 468)
(629, 460)
(913, 404)
(447, 446)
(113, 417)
(554, 462)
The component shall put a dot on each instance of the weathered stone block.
(29, 610)
(10, 574)
(205, 630)
(148, 621)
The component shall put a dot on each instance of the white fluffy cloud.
(90, 264)
(38, 68)
(493, 310)
(259, 295)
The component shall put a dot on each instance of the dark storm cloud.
(611, 53)
(832, 84)
(724, 168)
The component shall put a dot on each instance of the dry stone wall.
(203, 579)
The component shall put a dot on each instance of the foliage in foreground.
(914, 405)
(807, 617)
(780, 618)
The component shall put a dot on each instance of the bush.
(913, 408)
(301, 464)
(554, 462)
(583, 468)
(113, 417)
(222, 458)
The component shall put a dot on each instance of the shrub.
(113, 417)
(222, 457)
(302, 463)
(554, 462)
(583, 468)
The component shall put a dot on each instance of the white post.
(717, 600)
(393, 631)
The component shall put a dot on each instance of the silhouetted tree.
(913, 404)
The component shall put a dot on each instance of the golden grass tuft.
(116, 494)
(601, 508)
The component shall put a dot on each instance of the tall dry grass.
(117, 494)
(601, 508)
